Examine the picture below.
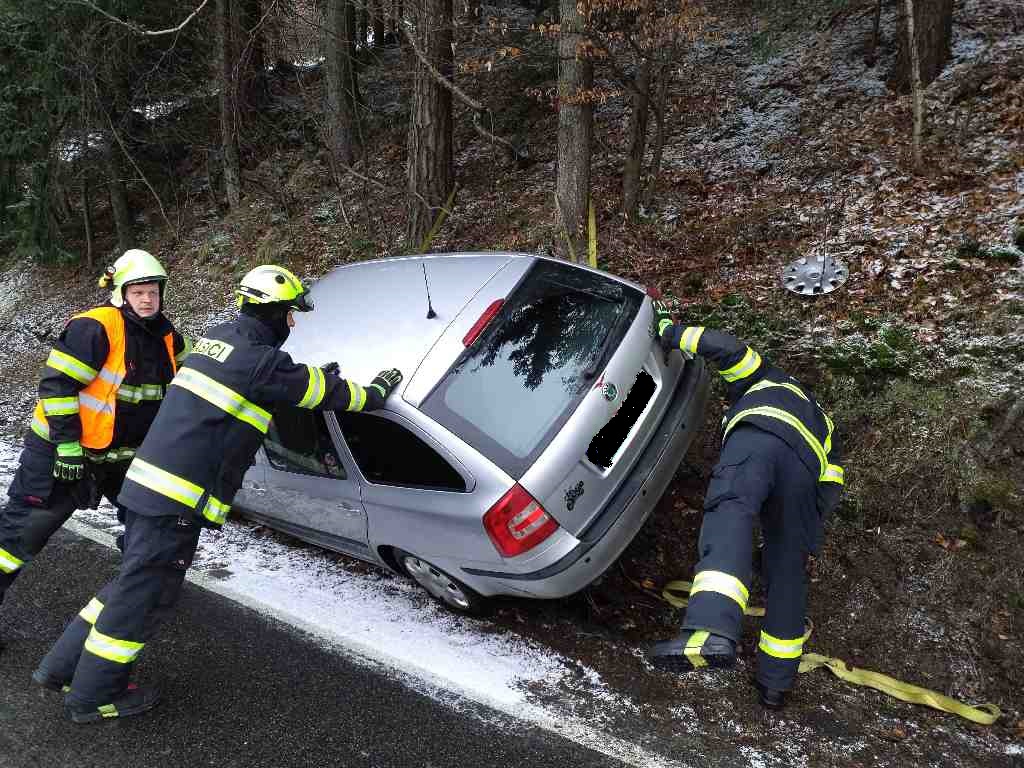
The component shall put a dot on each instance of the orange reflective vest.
(97, 402)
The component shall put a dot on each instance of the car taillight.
(481, 323)
(517, 522)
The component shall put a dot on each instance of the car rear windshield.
(516, 385)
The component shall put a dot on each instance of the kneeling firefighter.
(184, 478)
(779, 463)
(99, 393)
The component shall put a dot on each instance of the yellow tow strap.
(983, 714)
(683, 588)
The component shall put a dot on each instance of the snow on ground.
(387, 622)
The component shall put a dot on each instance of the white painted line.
(427, 680)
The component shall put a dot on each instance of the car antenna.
(431, 314)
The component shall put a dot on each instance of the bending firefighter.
(184, 478)
(780, 463)
(101, 387)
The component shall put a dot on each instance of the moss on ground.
(768, 331)
(873, 352)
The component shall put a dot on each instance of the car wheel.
(446, 589)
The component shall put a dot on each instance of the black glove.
(86, 492)
(69, 464)
(386, 381)
(332, 368)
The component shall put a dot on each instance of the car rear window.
(516, 385)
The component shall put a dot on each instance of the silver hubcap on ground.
(438, 583)
(814, 275)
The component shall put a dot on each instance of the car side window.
(298, 441)
(389, 454)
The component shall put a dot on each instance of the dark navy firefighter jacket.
(215, 415)
(764, 396)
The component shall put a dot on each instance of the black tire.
(442, 586)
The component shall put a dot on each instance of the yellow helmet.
(270, 284)
(134, 266)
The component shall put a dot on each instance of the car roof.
(373, 315)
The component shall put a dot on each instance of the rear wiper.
(595, 364)
(592, 369)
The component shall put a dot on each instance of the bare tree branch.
(139, 30)
(121, 144)
(476, 106)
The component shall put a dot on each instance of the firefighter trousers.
(99, 647)
(39, 505)
(757, 477)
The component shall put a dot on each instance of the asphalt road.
(239, 690)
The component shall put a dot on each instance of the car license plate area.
(606, 443)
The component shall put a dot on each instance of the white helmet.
(135, 266)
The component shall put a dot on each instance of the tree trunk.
(471, 9)
(660, 105)
(575, 128)
(119, 199)
(251, 55)
(339, 108)
(397, 15)
(915, 82)
(872, 55)
(633, 170)
(7, 186)
(362, 32)
(228, 104)
(933, 28)
(430, 171)
(377, 22)
(59, 199)
(353, 79)
(87, 215)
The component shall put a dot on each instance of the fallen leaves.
(893, 734)
(950, 545)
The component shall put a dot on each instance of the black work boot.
(693, 649)
(770, 698)
(132, 701)
(49, 681)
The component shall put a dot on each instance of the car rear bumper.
(601, 543)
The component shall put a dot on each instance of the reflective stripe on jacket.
(214, 417)
(96, 402)
(768, 398)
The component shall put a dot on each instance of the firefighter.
(779, 464)
(100, 390)
(184, 478)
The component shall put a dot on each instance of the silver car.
(538, 424)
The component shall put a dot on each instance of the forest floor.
(782, 143)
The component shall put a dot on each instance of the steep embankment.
(779, 145)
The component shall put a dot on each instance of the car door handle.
(347, 508)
